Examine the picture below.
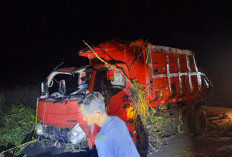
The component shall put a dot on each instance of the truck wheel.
(197, 122)
(141, 138)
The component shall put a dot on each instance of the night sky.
(36, 36)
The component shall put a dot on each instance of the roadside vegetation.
(17, 117)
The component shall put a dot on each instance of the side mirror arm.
(43, 90)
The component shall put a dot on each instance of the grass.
(140, 101)
(160, 127)
(18, 124)
(17, 113)
(156, 125)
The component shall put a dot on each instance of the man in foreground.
(113, 139)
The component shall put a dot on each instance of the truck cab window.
(71, 82)
(104, 84)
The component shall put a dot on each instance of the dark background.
(36, 36)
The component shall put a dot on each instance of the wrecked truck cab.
(60, 122)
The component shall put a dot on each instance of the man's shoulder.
(117, 123)
(109, 129)
(113, 121)
(116, 119)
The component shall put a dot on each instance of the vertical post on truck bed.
(149, 59)
(189, 74)
(199, 81)
(179, 76)
(168, 75)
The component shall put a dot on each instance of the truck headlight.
(76, 134)
(39, 129)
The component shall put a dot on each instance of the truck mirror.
(62, 87)
(43, 89)
(118, 79)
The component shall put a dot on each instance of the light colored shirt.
(114, 140)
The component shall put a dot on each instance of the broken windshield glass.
(69, 83)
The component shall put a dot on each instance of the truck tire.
(197, 121)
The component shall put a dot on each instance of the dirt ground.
(212, 144)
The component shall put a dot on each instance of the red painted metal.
(58, 113)
(64, 115)
(168, 75)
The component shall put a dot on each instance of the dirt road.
(212, 144)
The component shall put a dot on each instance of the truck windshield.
(62, 83)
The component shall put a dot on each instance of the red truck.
(167, 76)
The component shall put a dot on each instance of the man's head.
(93, 108)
